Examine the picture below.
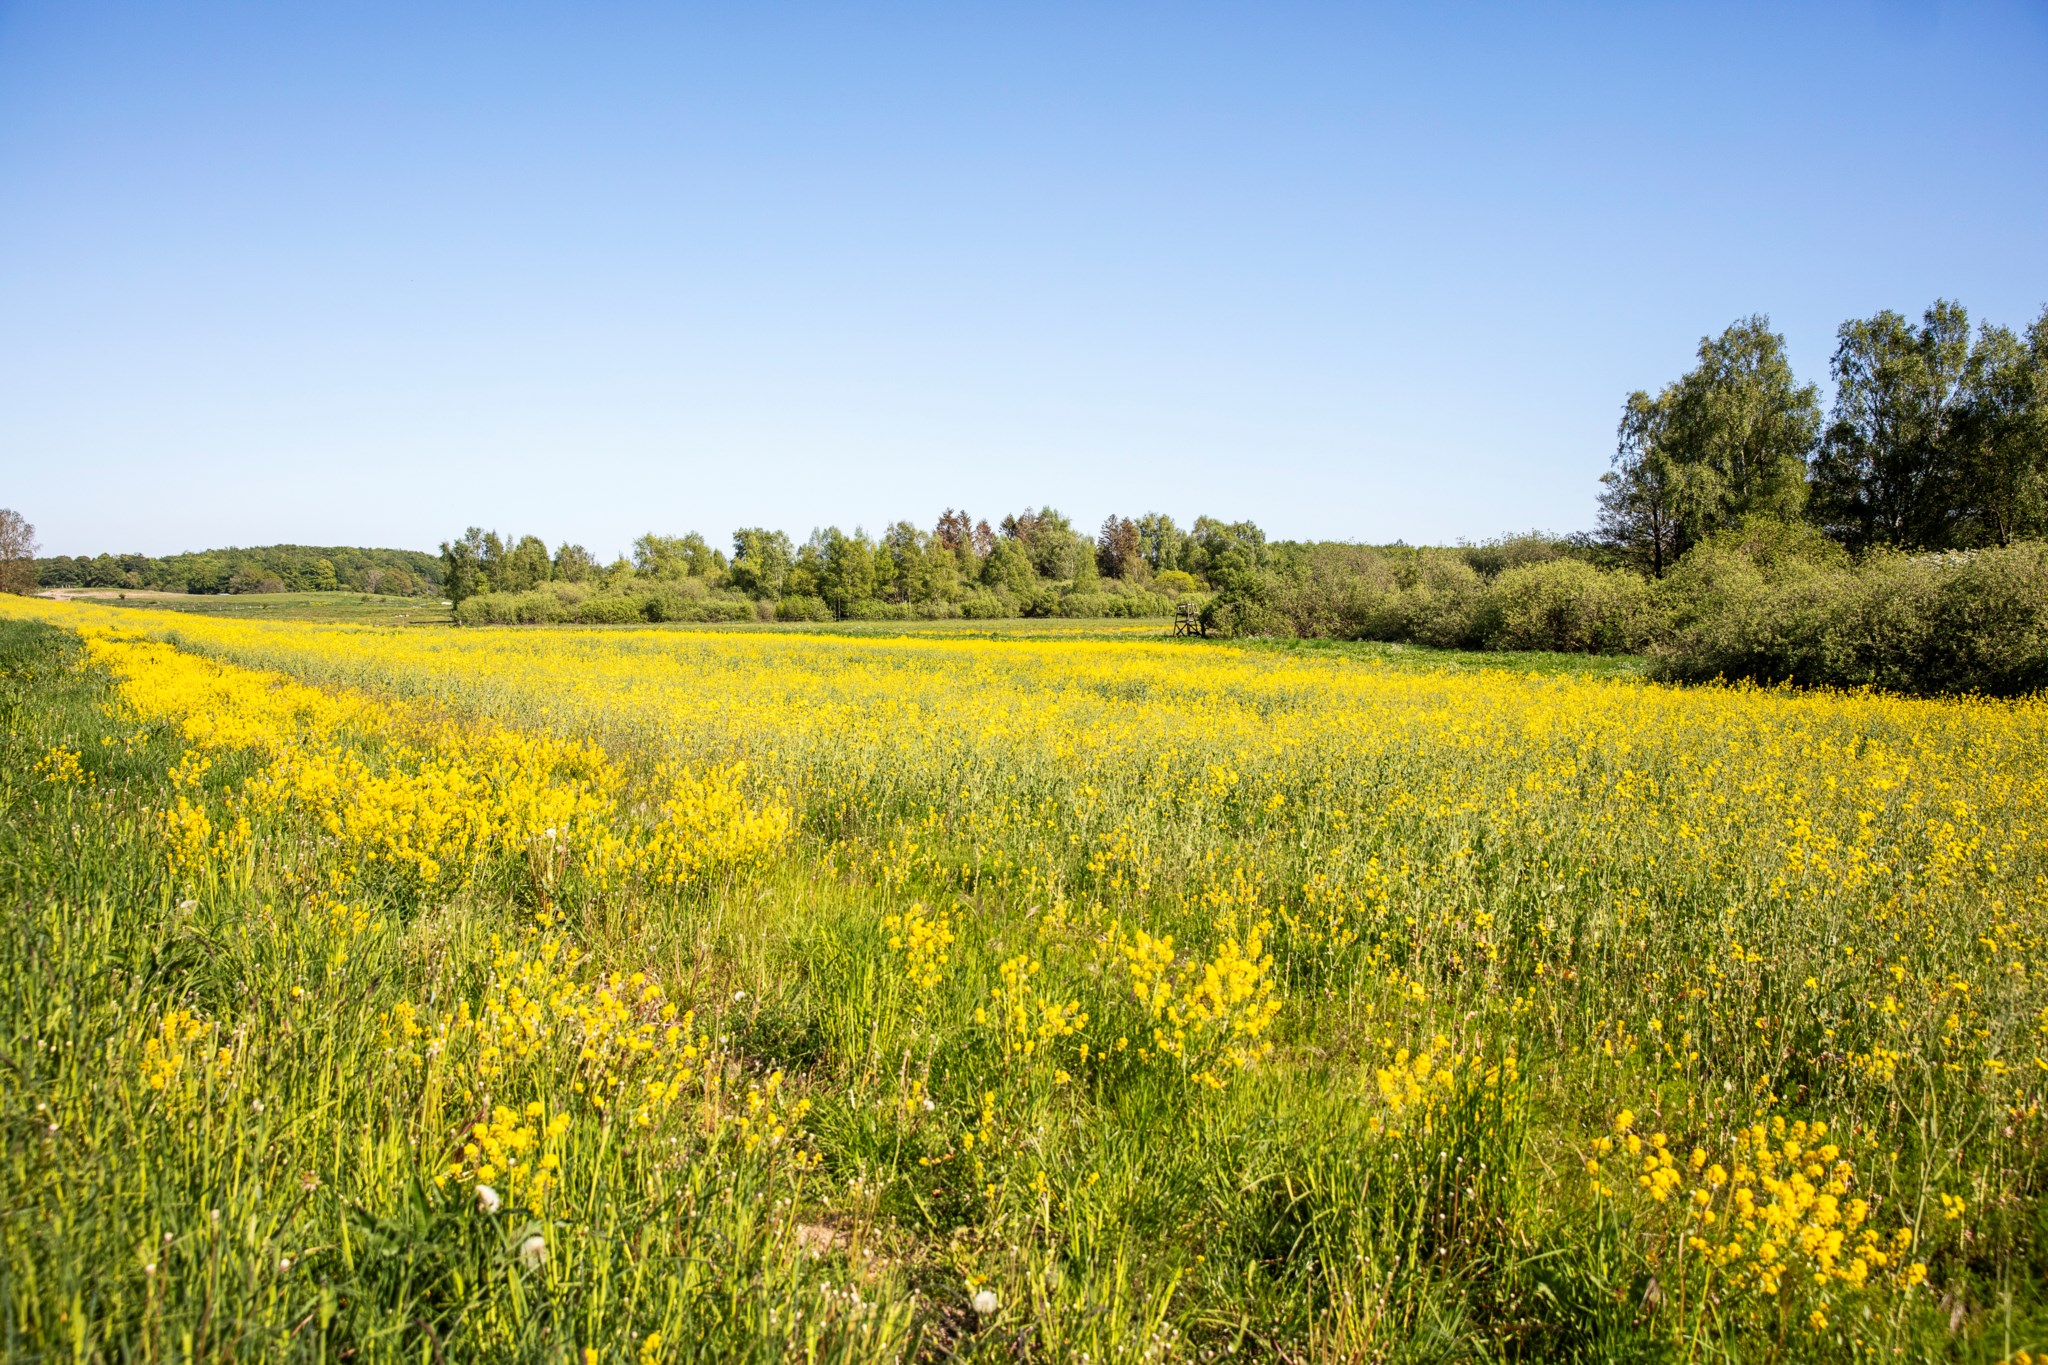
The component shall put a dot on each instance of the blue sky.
(366, 274)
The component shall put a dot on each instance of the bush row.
(1970, 621)
(573, 603)
(1435, 597)
(1768, 602)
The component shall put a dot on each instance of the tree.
(687, 556)
(847, 572)
(955, 530)
(1162, 543)
(656, 556)
(523, 567)
(1727, 442)
(254, 578)
(1049, 542)
(1887, 472)
(17, 552)
(1119, 550)
(761, 561)
(807, 569)
(205, 574)
(1007, 566)
(900, 572)
(1222, 551)
(573, 564)
(492, 560)
(462, 566)
(1636, 509)
(966, 541)
(2001, 439)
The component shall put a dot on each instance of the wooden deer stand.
(1187, 620)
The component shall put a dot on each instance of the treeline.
(265, 568)
(1892, 542)
(1936, 440)
(1032, 563)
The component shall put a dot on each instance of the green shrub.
(802, 608)
(1967, 622)
(608, 610)
(1040, 601)
(1491, 558)
(987, 606)
(1569, 606)
(1325, 591)
(512, 609)
(868, 609)
(1239, 613)
(1436, 602)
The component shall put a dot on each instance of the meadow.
(658, 994)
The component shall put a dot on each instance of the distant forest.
(266, 568)
(1031, 563)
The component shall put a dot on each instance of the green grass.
(276, 1205)
(284, 1208)
(1462, 660)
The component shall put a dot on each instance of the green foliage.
(17, 552)
(1055, 552)
(1728, 441)
(634, 600)
(1935, 443)
(1436, 597)
(523, 567)
(985, 605)
(803, 608)
(1568, 606)
(761, 560)
(573, 564)
(690, 556)
(1220, 551)
(1970, 621)
(1490, 557)
(846, 568)
(462, 567)
(1008, 569)
(1163, 545)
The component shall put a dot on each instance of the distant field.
(351, 607)
(362, 609)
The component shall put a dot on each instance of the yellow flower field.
(1184, 998)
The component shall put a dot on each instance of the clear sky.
(366, 274)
